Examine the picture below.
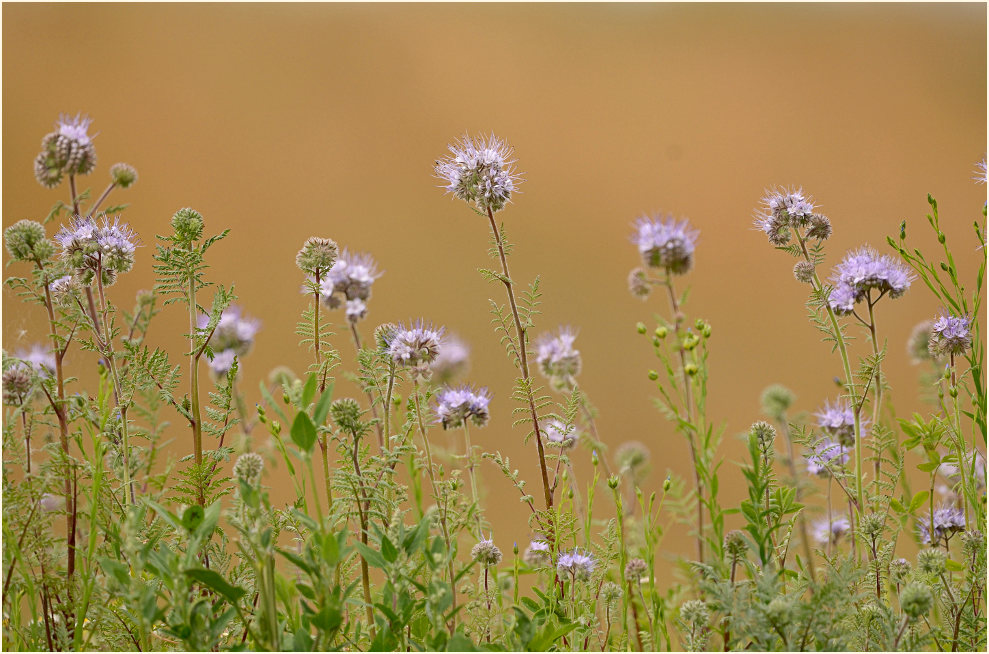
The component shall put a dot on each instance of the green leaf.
(217, 583)
(303, 432)
(372, 556)
(389, 551)
(918, 500)
(929, 466)
(954, 566)
(192, 517)
(117, 570)
(323, 406)
(309, 391)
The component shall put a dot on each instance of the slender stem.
(960, 441)
(27, 439)
(792, 465)
(370, 396)
(878, 392)
(473, 483)
(688, 403)
(523, 358)
(99, 201)
(362, 511)
(197, 426)
(316, 335)
(72, 192)
(388, 396)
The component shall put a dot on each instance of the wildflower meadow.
(139, 514)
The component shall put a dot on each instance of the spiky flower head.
(89, 246)
(611, 592)
(973, 542)
(825, 456)
(456, 405)
(635, 569)
(350, 278)
(346, 413)
(871, 525)
(950, 335)
(899, 570)
(415, 346)
(784, 209)
(26, 241)
(538, 554)
(776, 400)
(383, 335)
(18, 380)
(916, 599)
(560, 433)
(665, 242)
(188, 224)
(577, 563)
(486, 553)
(631, 456)
(123, 175)
(803, 272)
(765, 435)
(638, 283)
(453, 359)
(248, 468)
(695, 612)
(863, 271)
(980, 172)
(556, 356)
(480, 171)
(820, 228)
(919, 343)
(837, 420)
(317, 256)
(947, 521)
(825, 531)
(66, 151)
(40, 359)
(735, 545)
(932, 561)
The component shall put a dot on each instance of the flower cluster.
(480, 171)
(947, 521)
(415, 346)
(456, 405)
(538, 554)
(784, 210)
(557, 358)
(837, 420)
(233, 337)
(453, 359)
(26, 241)
(486, 553)
(830, 531)
(861, 272)
(348, 283)
(66, 151)
(576, 563)
(106, 246)
(825, 456)
(950, 335)
(665, 242)
(560, 433)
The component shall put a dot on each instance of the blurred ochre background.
(286, 121)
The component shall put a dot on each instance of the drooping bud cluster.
(26, 241)
(950, 335)
(456, 405)
(107, 246)
(66, 151)
(480, 171)
(665, 242)
(638, 283)
(233, 337)
(557, 358)
(863, 271)
(784, 210)
(486, 553)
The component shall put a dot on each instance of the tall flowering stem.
(522, 356)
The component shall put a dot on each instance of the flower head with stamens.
(826, 455)
(486, 553)
(558, 360)
(76, 128)
(456, 405)
(785, 209)
(89, 245)
(558, 432)
(950, 335)
(948, 520)
(350, 277)
(66, 151)
(538, 554)
(665, 242)
(480, 171)
(415, 346)
(234, 335)
(826, 531)
(980, 172)
(863, 271)
(837, 420)
(576, 563)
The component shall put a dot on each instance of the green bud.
(690, 369)
(188, 224)
(699, 324)
(123, 175)
(653, 375)
(346, 413)
(916, 599)
(26, 241)
(706, 331)
(613, 482)
(932, 561)
(640, 327)
(317, 255)
(941, 239)
(953, 391)
(667, 484)
(661, 332)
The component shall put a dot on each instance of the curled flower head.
(317, 255)
(638, 283)
(538, 554)
(837, 420)
(826, 455)
(863, 271)
(350, 278)
(416, 345)
(918, 345)
(557, 358)
(26, 241)
(235, 331)
(453, 359)
(66, 151)
(89, 246)
(785, 209)
(18, 380)
(560, 433)
(480, 171)
(248, 468)
(635, 569)
(456, 405)
(63, 289)
(825, 531)
(40, 358)
(576, 563)
(665, 242)
(947, 521)
(950, 335)
(486, 553)
(123, 175)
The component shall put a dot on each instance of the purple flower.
(578, 564)
(453, 359)
(785, 209)
(76, 128)
(665, 242)
(950, 470)
(538, 554)
(950, 335)
(356, 310)
(826, 531)
(88, 245)
(826, 455)
(40, 358)
(837, 420)
(233, 336)
(980, 172)
(351, 277)
(222, 362)
(480, 171)
(456, 405)
(556, 356)
(948, 520)
(557, 431)
(861, 272)
(415, 345)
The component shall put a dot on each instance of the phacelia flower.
(558, 432)
(863, 271)
(538, 554)
(453, 359)
(695, 612)
(416, 346)
(932, 561)
(556, 356)
(635, 569)
(838, 421)
(980, 172)
(776, 400)
(123, 175)
(66, 151)
(18, 380)
(26, 240)
(40, 358)
(456, 405)
(486, 553)
(233, 336)
(317, 255)
(950, 335)
(918, 345)
(665, 242)
(825, 456)
(973, 460)
(899, 570)
(89, 245)
(576, 563)
(355, 310)
(63, 288)
(785, 209)
(803, 272)
(350, 278)
(832, 531)
(916, 599)
(248, 468)
(222, 362)
(480, 171)
(948, 520)
(638, 283)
